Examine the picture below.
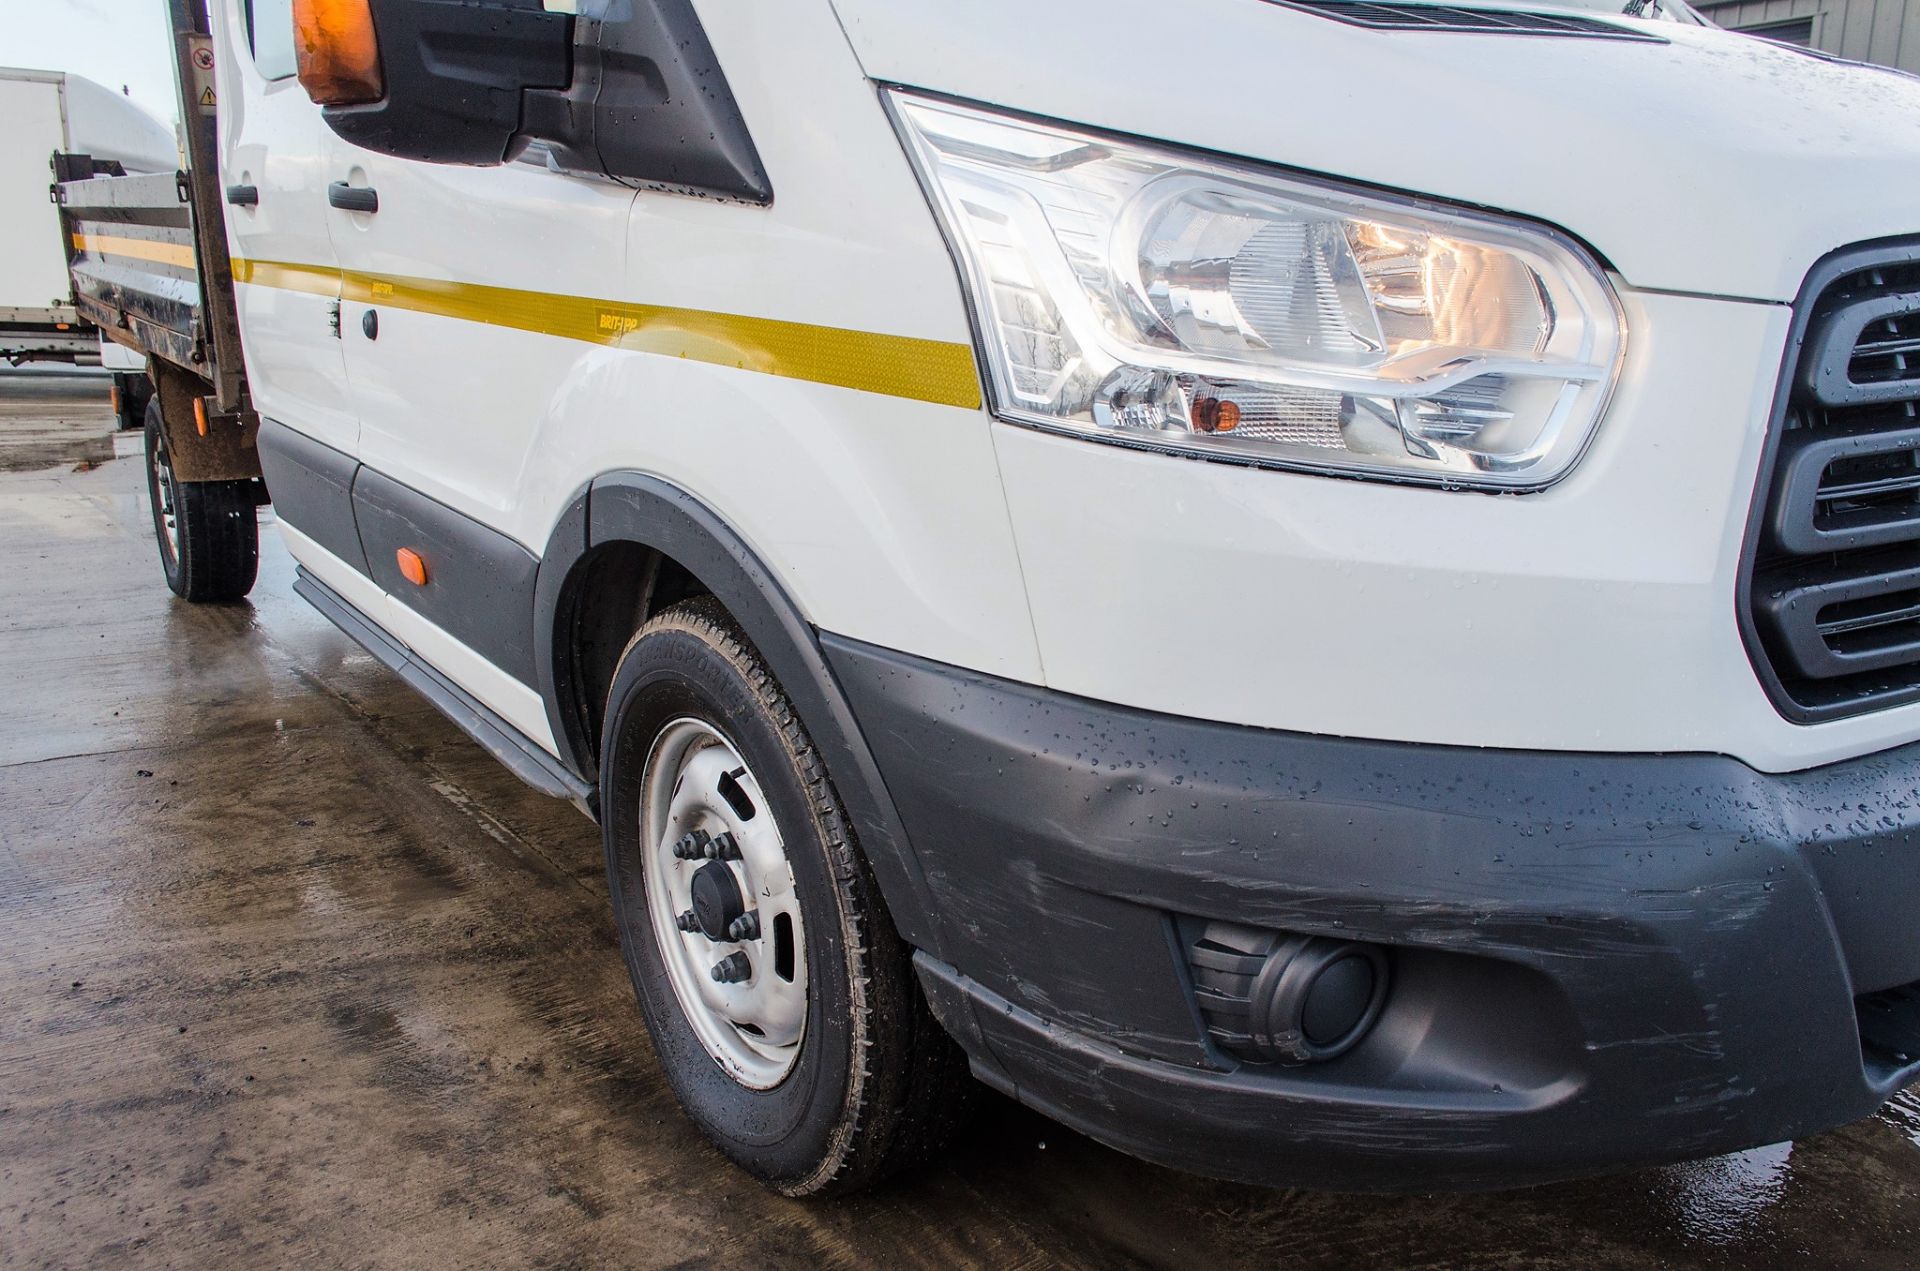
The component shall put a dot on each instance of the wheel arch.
(226, 450)
(629, 544)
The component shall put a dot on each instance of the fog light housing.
(1275, 997)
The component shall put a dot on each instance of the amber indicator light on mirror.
(338, 51)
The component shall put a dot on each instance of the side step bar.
(502, 740)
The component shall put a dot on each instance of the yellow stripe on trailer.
(938, 371)
(147, 249)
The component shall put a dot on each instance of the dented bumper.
(1596, 960)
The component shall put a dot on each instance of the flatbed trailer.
(147, 262)
(154, 277)
(148, 265)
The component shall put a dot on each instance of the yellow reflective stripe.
(308, 278)
(138, 248)
(899, 366)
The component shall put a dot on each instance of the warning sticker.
(200, 60)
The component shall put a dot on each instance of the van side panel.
(479, 583)
(881, 514)
(312, 488)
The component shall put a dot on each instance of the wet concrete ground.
(293, 974)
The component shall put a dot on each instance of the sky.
(118, 43)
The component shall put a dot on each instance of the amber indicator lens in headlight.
(1135, 293)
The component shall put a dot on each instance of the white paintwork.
(110, 126)
(514, 701)
(1599, 615)
(353, 586)
(33, 268)
(269, 137)
(118, 357)
(438, 410)
(882, 516)
(41, 112)
(1716, 163)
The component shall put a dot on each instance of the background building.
(1884, 31)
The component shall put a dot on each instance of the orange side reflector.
(412, 567)
(200, 415)
(113, 398)
(338, 51)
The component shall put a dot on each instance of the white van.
(1327, 592)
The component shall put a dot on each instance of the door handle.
(353, 198)
(243, 195)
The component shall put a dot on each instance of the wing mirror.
(429, 79)
(624, 90)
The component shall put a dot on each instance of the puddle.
(1902, 1112)
(1723, 1200)
(51, 419)
(36, 450)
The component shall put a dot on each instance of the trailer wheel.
(208, 531)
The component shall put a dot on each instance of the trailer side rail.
(131, 256)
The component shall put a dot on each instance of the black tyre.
(208, 531)
(782, 1002)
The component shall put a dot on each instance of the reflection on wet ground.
(290, 972)
(49, 417)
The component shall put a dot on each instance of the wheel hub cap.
(716, 899)
(721, 897)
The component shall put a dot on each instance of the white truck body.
(47, 112)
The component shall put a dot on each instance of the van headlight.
(1139, 294)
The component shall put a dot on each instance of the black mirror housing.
(629, 91)
(455, 71)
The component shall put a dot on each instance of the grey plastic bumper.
(1599, 960)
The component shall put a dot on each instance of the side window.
(270, 31)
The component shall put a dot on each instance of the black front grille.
(1833, 590)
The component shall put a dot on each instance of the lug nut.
(732, 969)
(687, 922)
(745, 927)
(692, 846)
(722, 848)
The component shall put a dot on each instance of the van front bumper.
(1596, 960)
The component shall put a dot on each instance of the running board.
(522, 755)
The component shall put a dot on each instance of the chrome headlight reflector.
(1140, 294)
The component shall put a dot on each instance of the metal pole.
(219, 340)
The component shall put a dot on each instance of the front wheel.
(208, 531)
(782, 1002)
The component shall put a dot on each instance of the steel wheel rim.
(696, 781)
(163, 499)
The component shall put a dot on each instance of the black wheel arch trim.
(652, 513)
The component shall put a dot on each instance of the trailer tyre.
(208, 531)
(782, 1002)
